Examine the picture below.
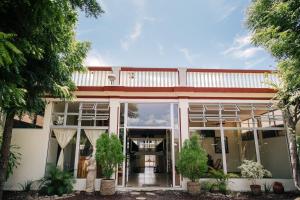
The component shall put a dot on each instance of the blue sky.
(172, 33)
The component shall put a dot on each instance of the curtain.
(92, 136)
(63, 137)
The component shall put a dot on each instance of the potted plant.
(192, 163)
(222, 180)
(253, 171)
(109, 155)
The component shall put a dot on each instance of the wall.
(33, 145)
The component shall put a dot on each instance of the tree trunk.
(6, 140)
(291, 133)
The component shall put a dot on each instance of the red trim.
(175, 89)
(167, 97)
(230, 70)
(149, 69)
(99, 68)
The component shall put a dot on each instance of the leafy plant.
(13, 160)
(221, 179)
(206, 186)
(26, 186)
(56, 182)
(267, 187)
(253, 170)
(109, 153)
(192, 160)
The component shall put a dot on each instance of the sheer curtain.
(63, 137)
(93, 135)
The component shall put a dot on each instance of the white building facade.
(153, 110)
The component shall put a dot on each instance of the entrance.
(148, 158)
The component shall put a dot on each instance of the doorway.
(148, 158)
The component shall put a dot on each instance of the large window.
(75, 128)
(250, 131)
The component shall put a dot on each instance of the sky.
(172, 33)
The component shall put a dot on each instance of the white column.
(256, 145)
(184, 119)
(182, 76)
(223, 149)
(116, 72)
(114, 106)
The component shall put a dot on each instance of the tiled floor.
(149, 179)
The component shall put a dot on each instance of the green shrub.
(192, 160)
(57, 182)
(13, 160)
(26, 186)
(206, 186)
(221, 179)
(109, 153)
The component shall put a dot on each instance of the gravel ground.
(164, 195)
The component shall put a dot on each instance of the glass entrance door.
(148, 158)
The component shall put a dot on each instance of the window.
(149, 114)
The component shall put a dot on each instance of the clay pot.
(256, 189)
(193, 187)
(278, 188)
(107, 187)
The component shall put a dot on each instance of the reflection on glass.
(154, 114)
(274, 152)
(210, 141)
(176, 151)
(85, 151)
(120, 167)
(241, 146)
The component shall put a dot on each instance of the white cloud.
(161, 49)
(132, 37)
(227, 11)
(187, 54)
(241, 48)
(94, 58)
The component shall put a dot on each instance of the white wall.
(33, 145)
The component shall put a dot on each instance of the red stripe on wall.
(175, 89)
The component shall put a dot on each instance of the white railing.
(91, 78)
(149, 78)
(170, 78)
(230, 79)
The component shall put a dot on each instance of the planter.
(107, 187)
(193, 187)
(278, 188)
(256, 189)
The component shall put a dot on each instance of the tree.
(192, 160)
(275, 26)
(44, 33)
(109, 153)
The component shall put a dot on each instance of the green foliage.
(13, 160)
(57, 182)
(206, 186)
(109, 153)
(267, 187)
(221, 179)
(192, 160)
(26, 186)
(42, 36)
(275, 26)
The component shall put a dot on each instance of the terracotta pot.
(193, 187)
(278, 188)
(107, 187)
(256, 189)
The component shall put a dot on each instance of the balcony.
(175, 77)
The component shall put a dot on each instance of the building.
(153, 110)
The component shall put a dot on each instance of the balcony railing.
(149, 78)
(230, 79)
(161, 77)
